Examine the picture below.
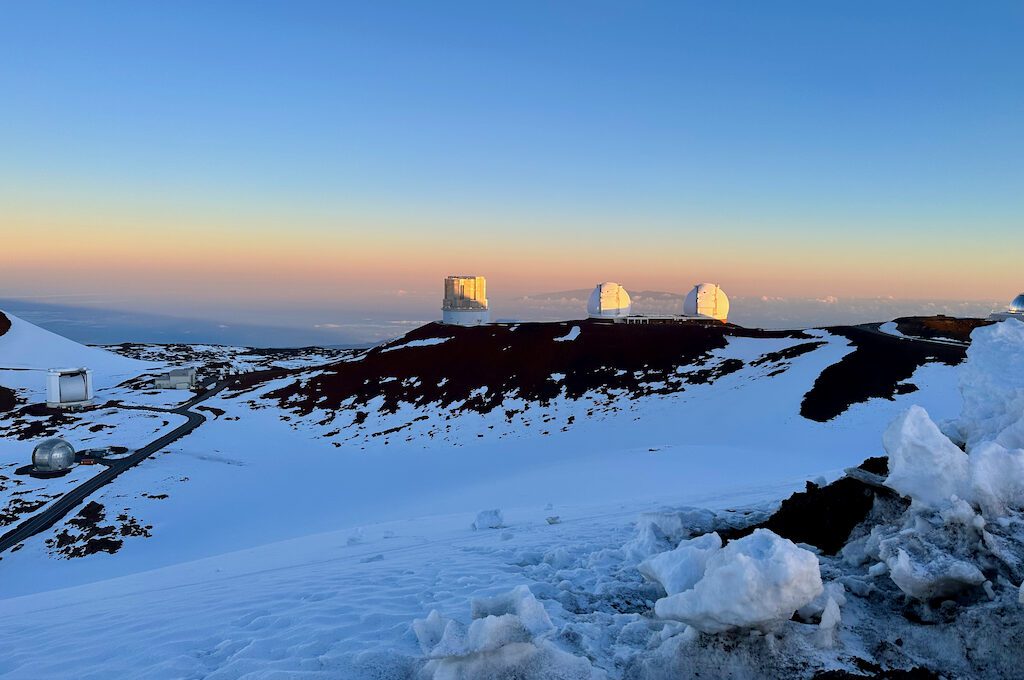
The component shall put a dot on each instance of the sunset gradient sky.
(191, 156)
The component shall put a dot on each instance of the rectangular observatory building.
(465, 301)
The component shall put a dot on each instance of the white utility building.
(465, 301)
(1014, 311)
(609, 301)
(68, 387)
(707, 301)
(176, 379)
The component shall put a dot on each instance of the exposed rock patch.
(877, 368)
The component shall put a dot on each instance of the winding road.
(54, 512)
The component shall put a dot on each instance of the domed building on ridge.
(609, 300)
(707, 301)
(1014, 311)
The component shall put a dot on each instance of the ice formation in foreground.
(507, 638)
(962, 492)
(758, 581)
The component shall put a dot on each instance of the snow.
(757, 581)
(923, 463)
(507, 638)
(679, 569)
(489, 519)
(962, 500)
(427, 342)
(997, 478)
(890, 328)
(992, 384)
(237, 582)
(570, 336)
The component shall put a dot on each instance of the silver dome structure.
(1017, 306)
(53, 455)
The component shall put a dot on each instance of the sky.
(312, 163)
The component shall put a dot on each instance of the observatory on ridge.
(52, 457)
(68, 387)
(176, 379)
(465, 301)
(1014, 311)
(707, 301)
(609, 301)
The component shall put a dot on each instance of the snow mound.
(507, 639)
(757, 581)
(992, 386)
(680, 569)
(489, 519)
(923, 463)
(660, 531)
(997, 478)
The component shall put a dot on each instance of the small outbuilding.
(176, 379)
(609, 300)
(68, 387)
(52, 456)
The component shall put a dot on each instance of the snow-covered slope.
(27, 351)
(373, 468)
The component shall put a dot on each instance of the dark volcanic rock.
(5, 324)
(876, 368)
(940, 327)
(8, 401)
(85, 534)
(476, 368)
(824, 516)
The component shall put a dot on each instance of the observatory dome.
(609, 301)
(53, 455)
(1017, 306)
(465, 301)
(707, 301)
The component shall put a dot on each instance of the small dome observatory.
(707, 301)
(465, 301)
(609, 301)
(1014, 311)
(53, 455)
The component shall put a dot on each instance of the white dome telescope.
(707, 301)
(609, 301)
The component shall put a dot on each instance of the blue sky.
(834, 148)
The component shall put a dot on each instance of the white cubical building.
(707, 301)
(1014, 311)
(68, 387)
(465, 301)
(176, 379)
(609, 301)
